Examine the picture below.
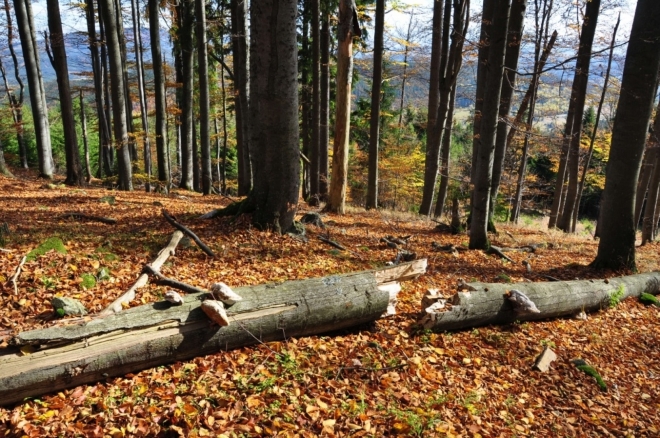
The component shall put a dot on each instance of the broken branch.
(187, 232)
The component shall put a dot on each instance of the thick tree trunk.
(347, 29)
(305, 105)
(514, 40)
(315, 120)
(324, 126)
(580, 82)
(187, 17)
(118, 97)
(160, 333)
(488, 128)
(616, 248)
(374, 123)
(26, 29)
(160, 102)
(241, 95)
(486, 304)
(274, 113)
(204, 99)
(650, 224)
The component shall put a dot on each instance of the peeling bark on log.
(160, 333)
(488, 305)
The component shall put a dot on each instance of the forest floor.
(388, 378)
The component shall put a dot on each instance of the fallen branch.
(160, 333)
(14, 278)
(486, 303)
(74, 215)
(498, 251)
(162, 280)
(129, 295)
(332, 243)
(188, 233)
(6, 250)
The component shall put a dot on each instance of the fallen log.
(486, 303)
(160, 333)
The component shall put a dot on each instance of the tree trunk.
(616, 249)
(580, 82)
(83, 129)
(204, 99)
(347, 29)
(324, 125)
(118, 97)
(592, 141)
(4, 170)
(105, 137)
(142, 95)
(514, 40)
(404, 75)
(650, 224)
(109, 159)
(488, 127)
(160, 98)
(239, 51)
(374, 124)
(187, 17)
(159, 333)
(121, 37)
(274, 113)
(16, 104)
(26, 29)
(486, 304)
(315, 121)
(445, 153)
(305, 103)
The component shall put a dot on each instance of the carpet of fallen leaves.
(384, 379)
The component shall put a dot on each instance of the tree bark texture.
(444, 156)
(119, 115)
(487, 305)
(324, 126)
(315, 121)
(488, 127)
(185, 34)
(580, 82)
(160, 333)
(274, 113)
(514, 40)
(374, 123)
(347, 29)
(204, 99)
(160, 98)
(241, 95)
(27, 32)
(616, 248)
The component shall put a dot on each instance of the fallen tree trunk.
(485, 303)
(160, 333)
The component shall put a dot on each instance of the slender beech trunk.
(592, 141)
(315, 146)
(223, 179)
(16, 103)
(324, 123)
(105, 136)
(514, 39)
(83, 128)
(4, 170)
(204, 100)
(305, 103)
(137, 46)
(160, 98)
(404, 75)
(616, 249)
(26, 29)
(109, 159)
(187, 17)
(444, 164)
(347, 29)
(120, 125)
(650, 224)
(374, 126)
(488, 125)
(121, 36)
(580, 83)
(241, 95)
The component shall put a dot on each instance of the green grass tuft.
(52, 243)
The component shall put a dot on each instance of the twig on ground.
(14, 278)
(74, 215)
(6, 250)
(332, 243)
(188, 233)
(498, 251)
(160, 279)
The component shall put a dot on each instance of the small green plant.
(649, 299)
(88, 281)
(49, 282)
(588, 226)
(52, 243)
(103, 274)
(504, 277)
(547, 343)
(617, 295)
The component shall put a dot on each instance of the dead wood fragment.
(332, 243)
(129, 295)
(188, 233)
(75, 215)
(527, 265)
(6, 250)
(14, 278)
(162, 280)
(543, 360)
(498, 251)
